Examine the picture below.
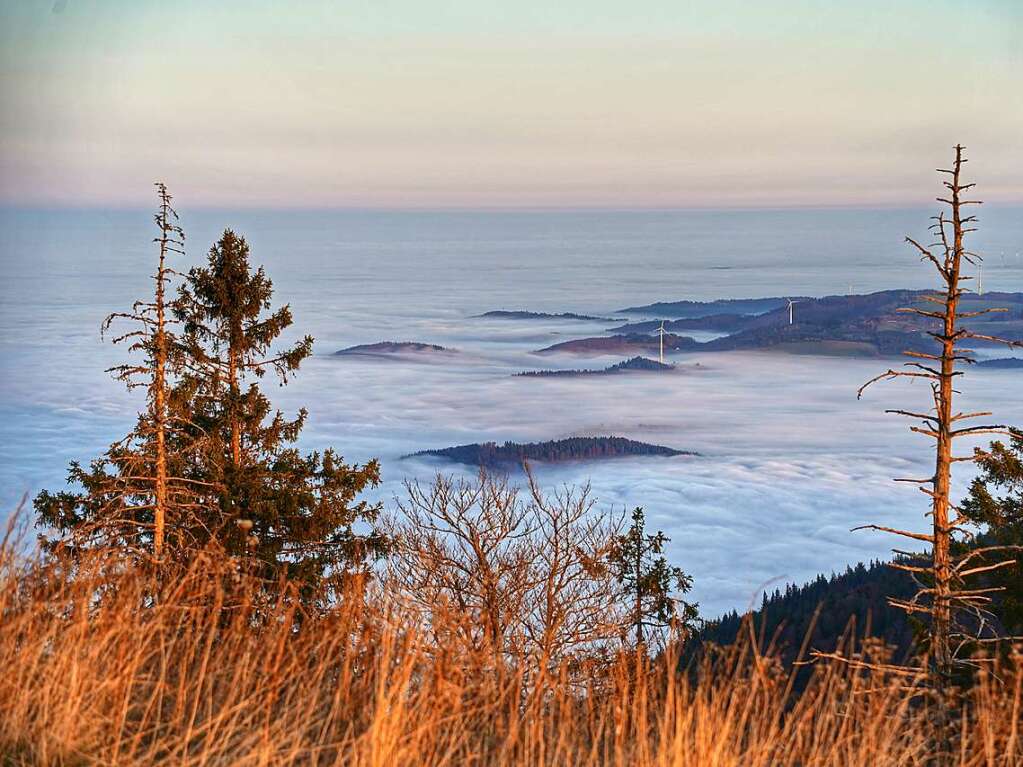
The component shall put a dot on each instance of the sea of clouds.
(789, 459)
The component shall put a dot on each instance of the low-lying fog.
(790, 460)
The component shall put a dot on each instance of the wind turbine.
(660, 333)
(791, 304)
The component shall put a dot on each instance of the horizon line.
(277, 208)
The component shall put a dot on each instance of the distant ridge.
(1002, 363)
(490, 454)
(703, 309)
(502, 314)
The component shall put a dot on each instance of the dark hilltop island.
(393, 347)
(632, 365)
(512, 454)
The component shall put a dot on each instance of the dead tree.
(129, 494)
(154, 340)
(171, 238)
(957, 614)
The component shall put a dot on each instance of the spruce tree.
(284, 513)
(995, 504)
(649, 581)
(138, 495)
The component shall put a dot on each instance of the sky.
(497, 104)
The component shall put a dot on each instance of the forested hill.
(859, 593)
(632, 365)
(393, 347)
(502, 314)
(490, 454)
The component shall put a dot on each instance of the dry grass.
(95, 673)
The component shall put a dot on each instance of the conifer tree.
(954, 609)
(130, 495)
(285, 513)
(649, 581)
(995, 503)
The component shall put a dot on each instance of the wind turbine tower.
(660, 333)
(791, 304)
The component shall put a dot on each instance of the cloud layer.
(790, 460)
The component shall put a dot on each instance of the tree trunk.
(638, 616)
(236, 434)
(159, 388)
(941, 649)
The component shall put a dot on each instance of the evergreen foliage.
(995, 503)
(649, 581)
(823, 609)
(210, 462)
(285, 513)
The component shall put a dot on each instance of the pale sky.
(507, 103)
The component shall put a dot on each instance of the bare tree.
(171, 239)
(957, 615)
(155, 340)
(514, 577)
(130, 493)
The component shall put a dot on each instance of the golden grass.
(95, 673)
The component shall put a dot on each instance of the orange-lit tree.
(956, 613)
(285, 513)
(138, 495)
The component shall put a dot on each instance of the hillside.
(861, 325)
(633, 343)
(490, 454)
(868, 324)
(860, 594)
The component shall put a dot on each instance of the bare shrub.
(519, 575)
